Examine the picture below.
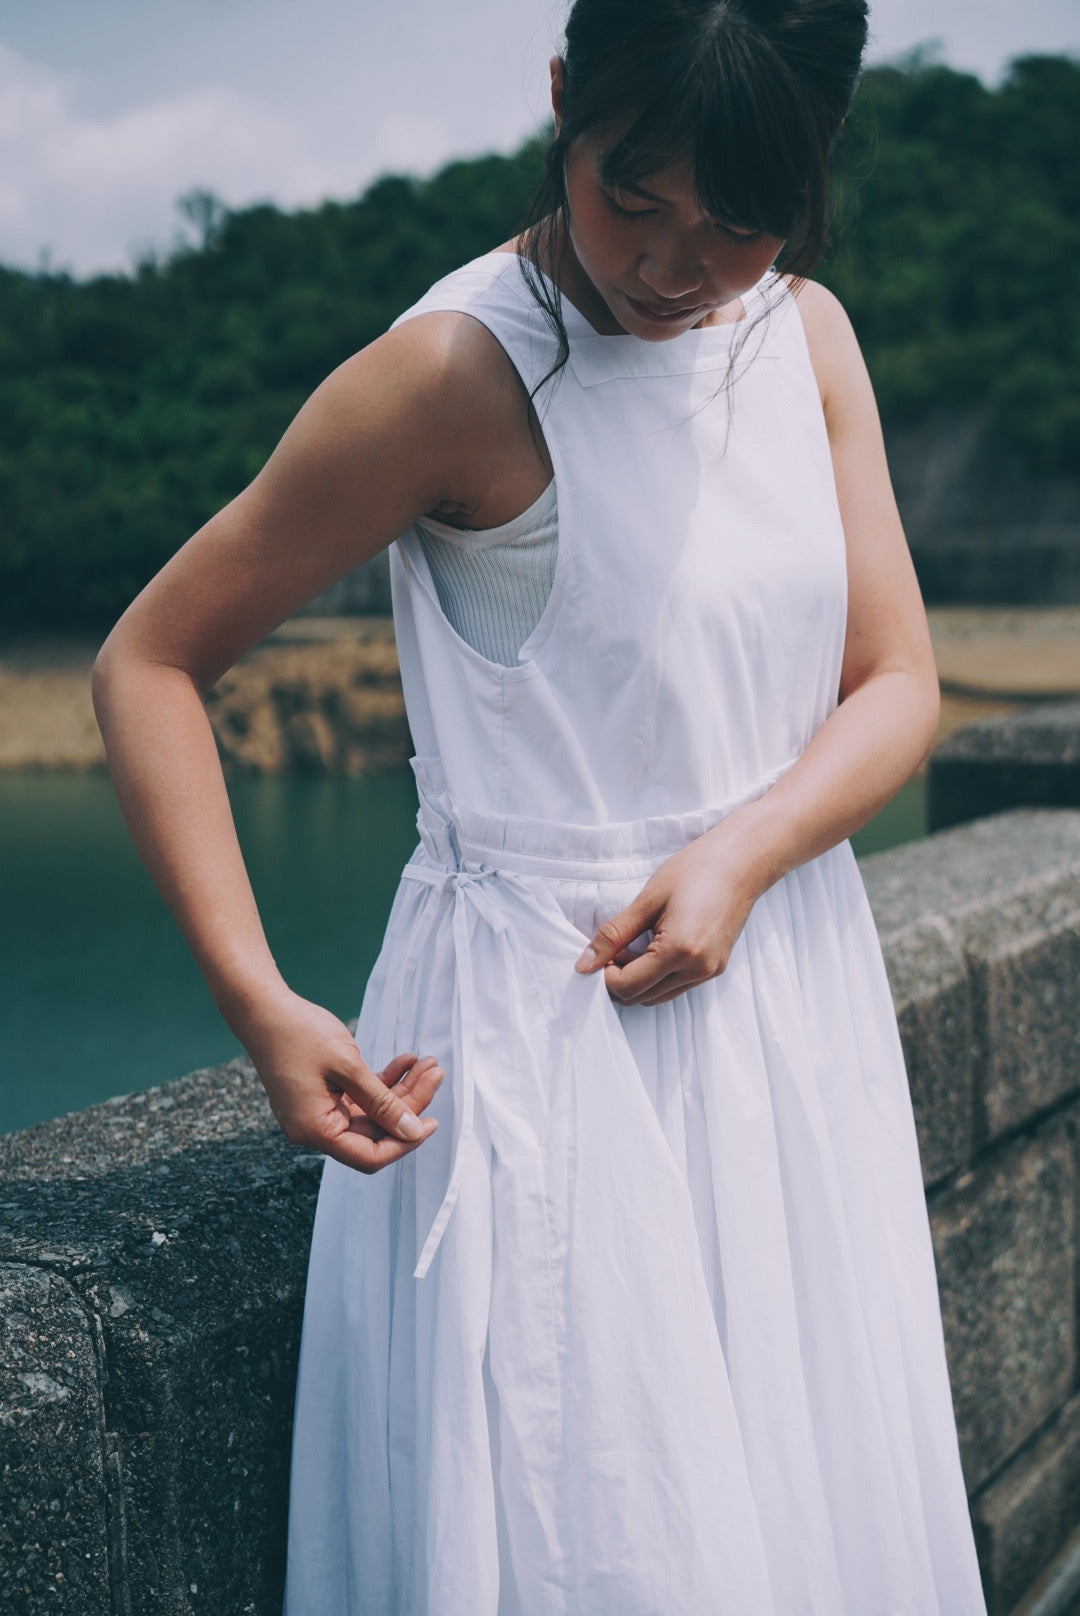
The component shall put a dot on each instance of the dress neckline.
(596, 357)
(723, 331)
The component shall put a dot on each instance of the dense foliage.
(133, 407)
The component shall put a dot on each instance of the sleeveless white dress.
(650, 1326)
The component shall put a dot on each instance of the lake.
(100, 996)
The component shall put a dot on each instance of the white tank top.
(493, 583)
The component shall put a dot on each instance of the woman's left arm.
(889, 699)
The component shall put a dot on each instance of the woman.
(641, 1319)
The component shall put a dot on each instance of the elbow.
(118, 667)
(107, 663)
(930, 711)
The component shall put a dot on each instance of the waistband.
(454, 834)
(480, 858)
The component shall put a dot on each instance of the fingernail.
(589, 957)
(439, 1074)
(410, 1126)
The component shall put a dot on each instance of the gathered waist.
(454, 834)
(483, 861)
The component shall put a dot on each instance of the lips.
(660, 314)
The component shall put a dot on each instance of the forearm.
(860, 757)
(164, 763)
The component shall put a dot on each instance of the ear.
(557, 83)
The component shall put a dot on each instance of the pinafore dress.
(650, 1325)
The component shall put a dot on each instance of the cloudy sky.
(111, 109)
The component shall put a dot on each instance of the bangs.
(742, 132)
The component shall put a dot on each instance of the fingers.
(366, 1154)
(382, 1102)
(644, 979)
(668, 988)
(655, 974)
(416, 1077)
(420, 1082)
(396, 1069)
(364, 1144)
(616, 934)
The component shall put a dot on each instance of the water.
(100, 995)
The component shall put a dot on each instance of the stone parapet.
(153, 1255)
(1013, 760)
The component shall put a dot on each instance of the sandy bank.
(323, 694)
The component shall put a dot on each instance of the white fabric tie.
(469, 887)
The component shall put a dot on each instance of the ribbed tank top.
(493, 583)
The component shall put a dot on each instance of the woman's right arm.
(386, 437)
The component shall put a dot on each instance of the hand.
(696, 904)
(325, 1095)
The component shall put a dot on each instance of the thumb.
(617, 933)
(383, 1105)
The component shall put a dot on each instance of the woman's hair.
(752, 93)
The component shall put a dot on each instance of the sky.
(113, 109)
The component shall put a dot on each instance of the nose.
(672, 276)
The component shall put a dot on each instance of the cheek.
(596, 235)
(743, 267)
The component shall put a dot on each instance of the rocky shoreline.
(330, 706)
(320, 696)
(323, 695)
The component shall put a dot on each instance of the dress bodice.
(692, 638)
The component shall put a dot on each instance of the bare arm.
(889, 692)
(698, 901)
(384, 438)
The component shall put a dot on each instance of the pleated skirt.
(650, 1326)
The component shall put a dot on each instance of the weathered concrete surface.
(931, 990)
(1029, 1510)
(1004, 1243)
(175, 1223)
(53, 1504)
(1025, 759)
(995, 903)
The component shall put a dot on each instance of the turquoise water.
(100, 994)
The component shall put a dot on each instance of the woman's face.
(646, 260)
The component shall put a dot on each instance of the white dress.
(650, 1326)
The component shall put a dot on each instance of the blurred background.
(206, 206)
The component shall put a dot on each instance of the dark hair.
(752, 92)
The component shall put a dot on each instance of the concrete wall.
(153, 1252)
(1013, 760)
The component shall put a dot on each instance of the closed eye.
(747, 237)
(744, 237)
(626, 213)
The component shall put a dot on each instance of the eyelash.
(646, 213)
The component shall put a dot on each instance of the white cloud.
(407, 141)
(79, 186)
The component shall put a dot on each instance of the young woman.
(635, 1314)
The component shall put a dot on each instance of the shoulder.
(438, 391)
(441, 375)
(834, 349)
(452, 357)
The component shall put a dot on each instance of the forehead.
(671, 179)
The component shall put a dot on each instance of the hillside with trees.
(132, 407)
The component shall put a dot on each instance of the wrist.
(248, 999)
(751, 848)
